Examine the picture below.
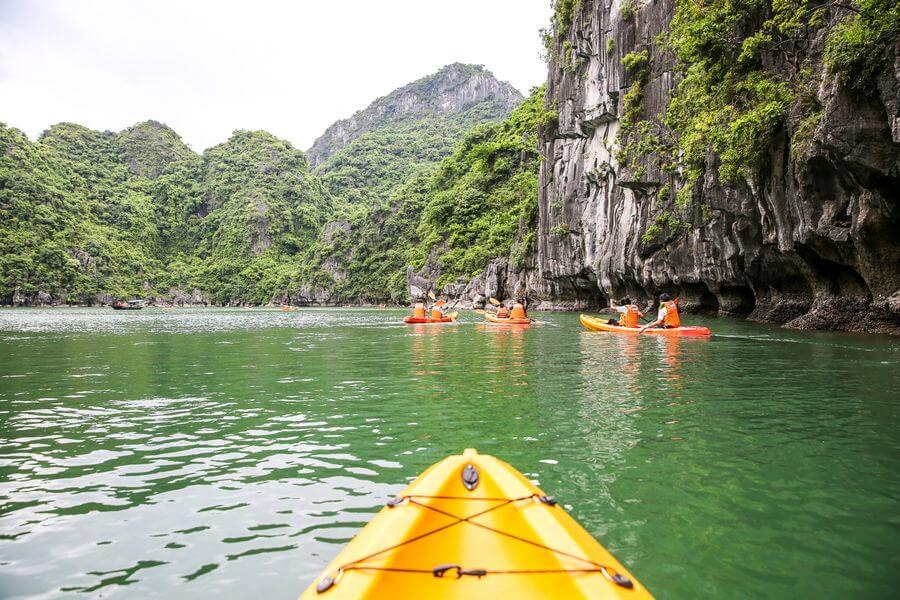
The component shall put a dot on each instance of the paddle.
(431, 295)
(454, 314)
(494, 301)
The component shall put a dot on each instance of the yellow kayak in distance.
(597, 324)
(472, 526)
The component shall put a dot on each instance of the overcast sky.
(208, 67)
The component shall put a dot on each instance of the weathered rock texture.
(451, 90)
(812, 241)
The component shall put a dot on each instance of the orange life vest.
(672, 319)
(518, 311)
(630, 317)
(419, 310)
(436, 313)
(502, 312)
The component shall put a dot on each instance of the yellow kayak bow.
(472, 526)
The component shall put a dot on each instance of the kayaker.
(629, 312)
(419, 310)
(437, 311)
(518, 311)
(667, 316)
(502, 312)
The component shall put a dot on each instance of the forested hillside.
(449, 219)
(89, 216)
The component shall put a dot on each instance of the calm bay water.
(195, 453)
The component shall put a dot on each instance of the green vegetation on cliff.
(260, 207)
(485, 194)
(478, 205)
(749, 70)
(74, 222)
(89, 216)
(371, 166)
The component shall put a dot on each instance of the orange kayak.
(596, 324)
(472, 526)
(509, 321)
(414, 320)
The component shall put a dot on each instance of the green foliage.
(610, 44)
(637, 67)
(378, 243)
(856, 47)
(369, 168)
(150, 148)
(803, 133)
(383, 181)
(262, 209)
(664, 226)
(636, 137)
(71, 228)
(560, 230)
(484, 197)
(665, 192)
(628, 10)
(87, 214)
(726, 100)
(563, 15)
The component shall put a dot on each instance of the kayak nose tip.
(470, 452)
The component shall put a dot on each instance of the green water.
(225, 453)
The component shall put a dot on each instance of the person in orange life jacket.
(667, 316)
(629, 313)
(518, 311)
(437, 311)
(419, 309)
(502, 312)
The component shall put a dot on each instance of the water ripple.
(195, 453)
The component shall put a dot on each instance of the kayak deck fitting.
(472, 526)
(597, 324)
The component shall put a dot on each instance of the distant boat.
(130, 305)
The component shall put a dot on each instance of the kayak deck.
(596, 324)
(502, 538)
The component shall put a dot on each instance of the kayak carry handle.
(441, 570)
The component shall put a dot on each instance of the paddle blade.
(494, 301)
(431, 294)
(480, 311)
(454, 314)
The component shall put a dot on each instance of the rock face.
(811, 241)
(452, 89)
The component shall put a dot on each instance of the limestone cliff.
(452, 89)
(807, 237)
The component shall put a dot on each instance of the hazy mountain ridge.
(453, 89)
